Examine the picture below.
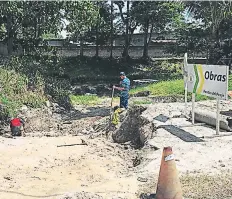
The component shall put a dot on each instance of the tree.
(11, 14)
(155, 16)
(40, 18)
(101, 31)
(130, 24)
(25, 22)
(111, 28)
(82, 15)
(211, 17)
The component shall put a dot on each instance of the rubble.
(81, 195)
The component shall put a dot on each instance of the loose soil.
(34, 167)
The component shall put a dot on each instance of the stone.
(77, 91)
(142, 94)
(24, 108)
(140, 179)
(48, 103)
(176, 114)
(133, 127)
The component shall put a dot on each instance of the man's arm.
(22, 121)
(119, 88)
(23, 130)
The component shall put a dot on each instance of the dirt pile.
(53, 121)
(134, 128)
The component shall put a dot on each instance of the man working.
(16, 125)
(124, 88)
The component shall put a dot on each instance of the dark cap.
(122, 74)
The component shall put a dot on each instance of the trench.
(134, 128)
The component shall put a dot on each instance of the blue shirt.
(125, 83)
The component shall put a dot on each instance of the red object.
(15, 122)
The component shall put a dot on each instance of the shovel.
(111, 108)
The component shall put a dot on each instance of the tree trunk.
(10, 38)
(97, 39)
(149, 40)
(128, 36)
(125, 53)
(151, 31)
(111, 30)
(145, 45)
(81, 47)
(97, 33)
(214, 54)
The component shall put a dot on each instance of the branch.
(149, 40)
(121, 14)
(132, 29)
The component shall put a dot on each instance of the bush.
(172, 68)
(15, 91)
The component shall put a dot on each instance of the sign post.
(218, 118)
(185, 80)
(209, 80)
(193, 108)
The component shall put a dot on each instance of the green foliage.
(168, 88)
(230, 83)
(84, 99)
(41, 72)
(15, 91)
(82, 15)
(173, 68)
(100, 31)
(156, 13)
(206, 30)
(25, 22)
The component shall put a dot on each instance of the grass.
(170, 88)
(163, 88)
(207, 187)
(88, 100)
(85, 99)
(201, 186)
(15, 92)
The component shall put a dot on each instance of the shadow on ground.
(85, 113)
(147, 196)
(180, 133)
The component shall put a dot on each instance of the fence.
(154, 51)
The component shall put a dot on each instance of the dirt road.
(37, 168)
(33, 167)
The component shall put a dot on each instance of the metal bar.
(185, 98)
(186, 81)
(111, 108)
(193, 108)
(71, 145)
(218, 118)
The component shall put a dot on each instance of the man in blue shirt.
(124, 88)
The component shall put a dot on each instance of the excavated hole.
(134, 128)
